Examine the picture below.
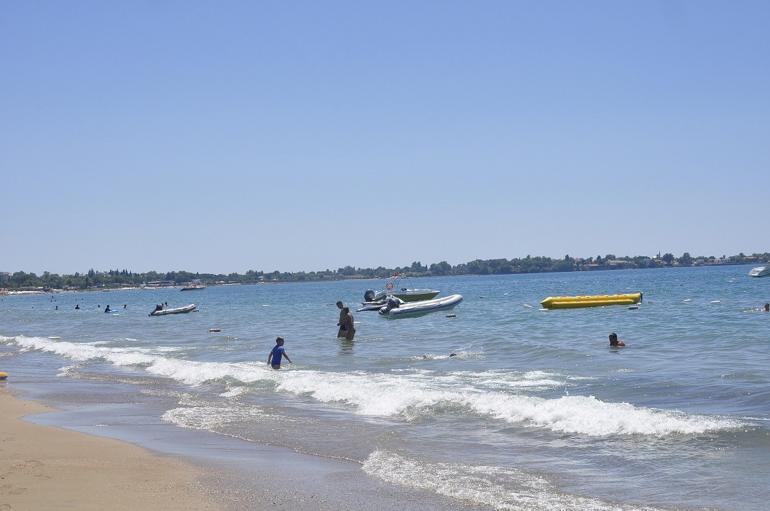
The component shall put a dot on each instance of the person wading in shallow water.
(276, 354)
(346, 318)
(341, 321)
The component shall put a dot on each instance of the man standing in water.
(276, 354)
(346, 322)
(341, 321)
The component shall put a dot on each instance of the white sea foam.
(235, 392)
(498, 487)
(212, 418)
(496, 394)
(459, 355)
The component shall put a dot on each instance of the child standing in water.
(275, 355)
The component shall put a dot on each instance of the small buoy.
(214, 330)
(3, 375)
(451, 315)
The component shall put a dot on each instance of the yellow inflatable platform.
(576, 302)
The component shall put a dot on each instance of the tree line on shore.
(121, 278)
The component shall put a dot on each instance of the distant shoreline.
(260, 278)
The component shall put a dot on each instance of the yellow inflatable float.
(3, 375)
(576, 302)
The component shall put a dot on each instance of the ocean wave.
(498, 487)
(493, 394)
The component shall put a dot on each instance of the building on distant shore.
(160, 283)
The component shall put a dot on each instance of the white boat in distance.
(178, 310)
(194, 285)
(413, 309)
(760, 271)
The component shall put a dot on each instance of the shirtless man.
(348, 324)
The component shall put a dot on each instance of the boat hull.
(579, 302)
(414, 309)
(178, 310)
(760, 271)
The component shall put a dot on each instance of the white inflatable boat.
(178, 310)
(412, 309)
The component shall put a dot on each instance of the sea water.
(505, 405)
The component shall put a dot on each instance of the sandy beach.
(42, 467)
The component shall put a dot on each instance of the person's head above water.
(767, 307)
(279, 341)
(340, 304)
(613, 339)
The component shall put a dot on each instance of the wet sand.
(43, 467)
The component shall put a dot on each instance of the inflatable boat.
(395, 310)
(178, 310)
(576, 302)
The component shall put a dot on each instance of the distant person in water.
(276, 354)
(341, 321)
(766, 308)
(347, 323)
(125, 305)
(614, 342)
(107, 309)
(77, 306)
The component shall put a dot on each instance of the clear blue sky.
(226, 136)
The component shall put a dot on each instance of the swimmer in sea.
(766, 308)
(614, 342)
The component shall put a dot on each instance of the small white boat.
(178, 310)
(193, 286)
(393, 287)
(412, 309)
(760, 271)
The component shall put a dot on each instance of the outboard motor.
(392, 303)
(369, 295)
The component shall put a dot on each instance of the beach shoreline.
(172, 468)
(44, 467)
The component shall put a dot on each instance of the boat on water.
(177, 310)
(760, 271)
(376, 305)
(576, 302)
(393, 309)
(193, 286)
(393, 287)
